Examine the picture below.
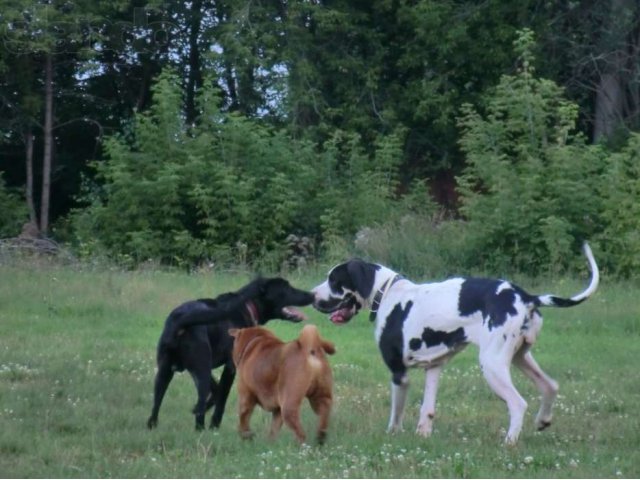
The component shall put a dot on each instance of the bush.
(619, 189)
(13, 211)
(229, 189)
(529, 191)
(419, 246)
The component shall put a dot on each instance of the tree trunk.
(609, 105)
(28, 140)
(611, 109)
(48, 144)
(194, 79)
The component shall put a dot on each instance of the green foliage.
(229, 188)
(619, 189)
(529, 189)
(13, 211)
(532, 191)
(420, 246)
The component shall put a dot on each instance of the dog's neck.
(253, 315)
(385, 279)
(246, 347)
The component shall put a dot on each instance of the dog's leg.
(213, 395)
(291, 416)
(163, 378)
(495, 368)
(246, 404)
(547, 386)
(399, 389)
(428, 409)
(322, 407)
(224, 387)
(202, 379)
(276, 423)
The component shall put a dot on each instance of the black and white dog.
(195, 338)
(424, 325)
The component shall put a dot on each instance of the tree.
(529, 190)
(592, 48)
(42, 35)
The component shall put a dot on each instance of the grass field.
(77, 352)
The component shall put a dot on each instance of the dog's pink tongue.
(294, 313)
(338, 317)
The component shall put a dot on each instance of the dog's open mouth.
(293, 314)
(340, 310)
(343, 315)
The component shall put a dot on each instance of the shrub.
(619, 189)
(529, 191)
(419, 246)
(229, 188)
(13, 211)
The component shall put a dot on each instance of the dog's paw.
(247, 435)
(152, 423)
(543, 421)
(394, 430)
(511, 440)
(424, 430)
(542, 424)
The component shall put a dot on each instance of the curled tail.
(312, 344)
(553, 301)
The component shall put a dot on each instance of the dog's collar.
(380, 293)
(252, 310)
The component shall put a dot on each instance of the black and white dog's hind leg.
(495, 365)
(546, 385)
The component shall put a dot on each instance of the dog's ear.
(362, 275)
(328, 347)
(234, 332)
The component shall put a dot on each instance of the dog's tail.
(312, 344)
(202, 316)
(198, 313)
(553, 301)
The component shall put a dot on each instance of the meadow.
(77, 362)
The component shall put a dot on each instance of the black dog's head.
(347, 288)
(275, 298)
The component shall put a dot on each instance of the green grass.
(77, 352)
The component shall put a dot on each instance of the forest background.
(437, 136)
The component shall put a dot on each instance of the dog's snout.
(316, 294)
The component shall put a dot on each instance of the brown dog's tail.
(312, 344)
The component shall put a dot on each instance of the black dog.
(195, 338)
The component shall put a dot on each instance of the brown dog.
(278, 376)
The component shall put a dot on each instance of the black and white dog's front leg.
(399, 389)
(428, 409)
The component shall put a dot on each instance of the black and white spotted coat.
(424, 325)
